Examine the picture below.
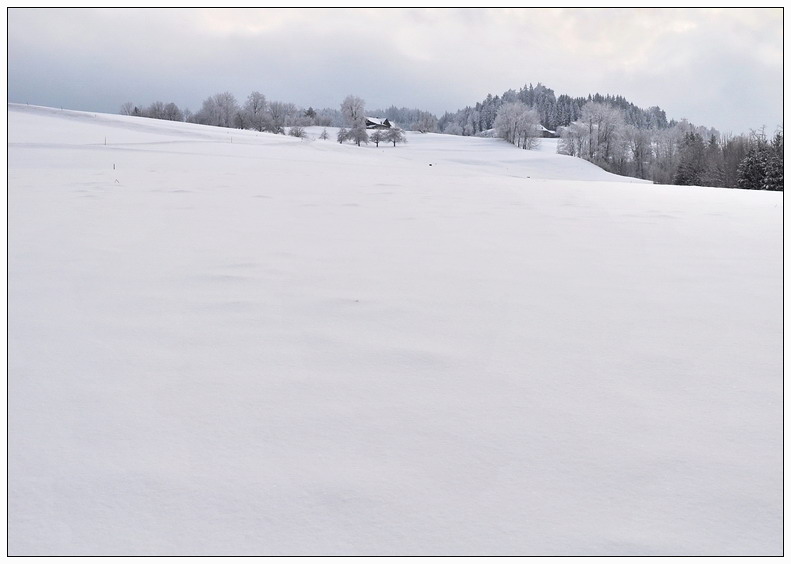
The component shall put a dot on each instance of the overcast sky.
(720, 68)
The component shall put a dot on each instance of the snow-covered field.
(226, 342)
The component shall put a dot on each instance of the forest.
(624, 139)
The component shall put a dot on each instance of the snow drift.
(227, 342)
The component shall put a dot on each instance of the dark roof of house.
(377, 122)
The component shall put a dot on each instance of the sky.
(720, 68)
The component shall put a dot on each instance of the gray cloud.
(720, 68)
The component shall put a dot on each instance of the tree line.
(553, 111)
(255, 112)
(680, 153)
(607, 130)
(260, 114)
(624, 139)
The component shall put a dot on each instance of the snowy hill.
(226, 342)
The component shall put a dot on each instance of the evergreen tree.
(734, 150)
(691, 167)
(774, 164)
(713, 164)
(774, 174)
(752, 170)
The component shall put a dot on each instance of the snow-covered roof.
(378, 122)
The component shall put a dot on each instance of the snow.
(237, 343)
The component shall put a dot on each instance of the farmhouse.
(377, 123)
(544, 132)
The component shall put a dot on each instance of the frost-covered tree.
(359, 134)
(220, 109)
(505, 124)
(324, 135)
(226, 109)
(598, 136)
(573, 139)
(394, 135)
(255, 112)
(297, 131)
(127, 108)
(172, 112)
(353, 110)
(426, 123)
(155, 110)
(594, 117)
(610, 133)
(453, 129)
(343, 135)
(377, 137)
(529, 129)
(329, 117)
(518, 124)
(279, 115)
(410, 118)
(638, 145)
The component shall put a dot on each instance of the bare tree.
(127, 108)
